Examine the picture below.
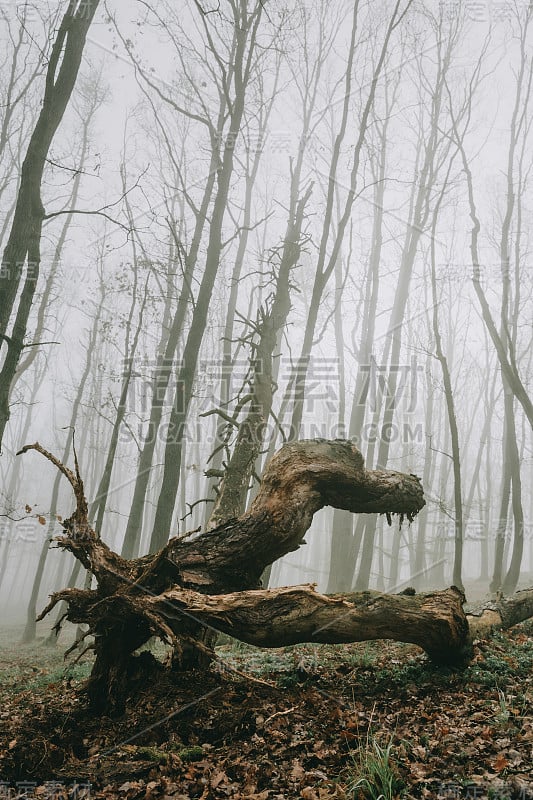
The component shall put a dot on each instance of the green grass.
(375, 776)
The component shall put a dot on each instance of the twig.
(280, 714)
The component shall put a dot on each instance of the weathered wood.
(299, 480)
(198, 585)
(291, 615)
(500, 614)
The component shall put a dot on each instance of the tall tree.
(519, 128)
(432, 154)
(331, 238)
(230, 68)
(31, 613)
(344, 542)
(245, 31)
(442, 358)
(23, 248)
(505, 336)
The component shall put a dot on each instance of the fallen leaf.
(500, 763)
(217, 778)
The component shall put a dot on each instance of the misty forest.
(266, 399)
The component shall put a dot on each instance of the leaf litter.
(367, 720)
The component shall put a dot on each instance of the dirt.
(313, 722)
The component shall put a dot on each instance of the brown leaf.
(418, 770)
(500, 763)
(217, 778)
(41, 519)
(340, 793)
(419, 751)
(297, 772)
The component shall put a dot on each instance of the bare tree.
(232, 66)
(24, 241)
(31, 614)
(519, 131)
(245, 26)
(21, 66)
(457, 576)
(331, 240)
(344, 542)
(505, 339)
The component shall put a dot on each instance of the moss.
(153, 754)
(195, 753)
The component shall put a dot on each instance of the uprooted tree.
(199, 585)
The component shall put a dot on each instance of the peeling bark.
(299, 480)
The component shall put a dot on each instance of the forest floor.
(366, 720)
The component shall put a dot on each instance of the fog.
(391, 146)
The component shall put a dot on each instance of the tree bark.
(300, 479)
(343, 549)
(195, 587)
(450, 398)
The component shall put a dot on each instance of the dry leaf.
(500, 762)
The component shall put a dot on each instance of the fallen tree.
(198, 585)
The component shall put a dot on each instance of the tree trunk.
(23, 245)
(326, 260)
(342, 563)
(450, 400)
(30, 628)
(245, 32)
(419, 574)
(196, 586)
(233, 489)
(301, 478)
(163, 370)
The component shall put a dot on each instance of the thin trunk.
(421, 563)
(163, 372)
(24, 242)
(31, 614)
(513, 573)
(325, 263)
(501, 530)
(344, 548)
(227, 341)
(46, 297)
(457, 576)
(501, 339)
(13, 489)
(247, 27)
(231, 497)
